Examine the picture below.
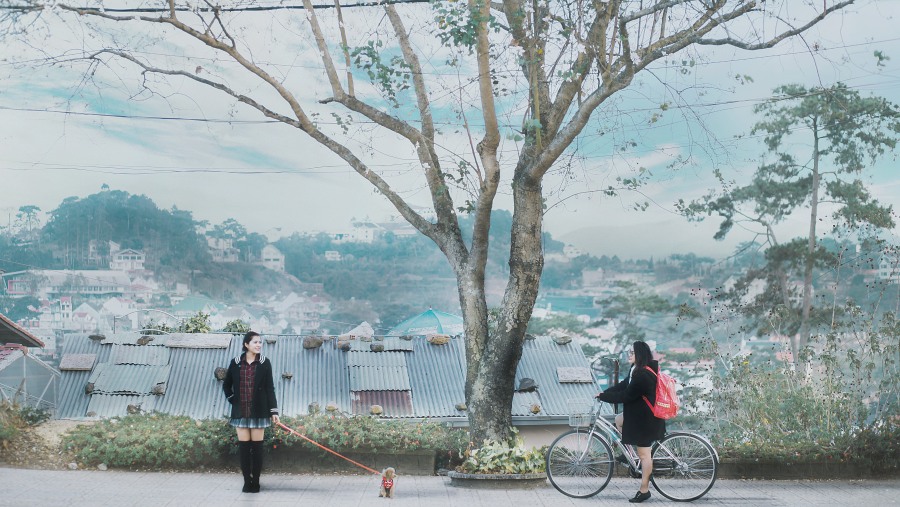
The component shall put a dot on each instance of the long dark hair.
(642, 355)
(248, 337)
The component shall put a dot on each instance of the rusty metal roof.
(393, 403)
(10, 332)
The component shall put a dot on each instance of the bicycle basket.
(580, 413)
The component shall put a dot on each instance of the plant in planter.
(504, 458)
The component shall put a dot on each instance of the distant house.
(85, 318)
(49, 284)
(192, 305)
(400, 229)
(303, 312)
(222, 249)
(889, 269)
(362, 232)
(271, 258)
(126, 260)
(572, 251)
(332, 256)
(411, 379)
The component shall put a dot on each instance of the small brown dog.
(387, 483)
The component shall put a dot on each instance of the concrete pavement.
(23, 487)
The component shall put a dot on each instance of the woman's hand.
(275, 419)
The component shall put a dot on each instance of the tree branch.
(775, 40)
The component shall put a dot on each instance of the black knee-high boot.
(256, 469)
(245, 449)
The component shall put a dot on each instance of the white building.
(126, 260)
(889, 269)
(271, 258)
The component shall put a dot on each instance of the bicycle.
(580, 462)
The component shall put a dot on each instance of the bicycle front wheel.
(579, 463)
(684, 467)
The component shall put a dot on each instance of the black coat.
(639, 426)
(263, 405)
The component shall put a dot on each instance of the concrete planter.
(497, 481)
(771, 469)
(305, 461)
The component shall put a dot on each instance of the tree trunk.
(803, 337)
(492, 379)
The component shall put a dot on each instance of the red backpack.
(666, 398)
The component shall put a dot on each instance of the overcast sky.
(194, 149)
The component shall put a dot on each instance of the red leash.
(304, 437)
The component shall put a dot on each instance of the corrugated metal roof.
(376, 359)
(390, 343)
(522, 403)
(438, 377)
(132, 338)
(432, 377)
(72, 402)
(540, 358)
(318, 375)
(192, 389)
(131, 379)
(393, 403)
(106, 405)
(379, 378)
(77, 362)
(200, 341)
(81, 344)
(137, 354)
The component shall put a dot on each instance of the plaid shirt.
(248, 376)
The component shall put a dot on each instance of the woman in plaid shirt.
(250, 389)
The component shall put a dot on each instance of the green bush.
(342, 433)
(165, 441)
(10, 422)
(33, 416)
(13, 419)
(151, 441)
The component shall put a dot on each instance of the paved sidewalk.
(94, 488)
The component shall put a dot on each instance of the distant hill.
(654, 239)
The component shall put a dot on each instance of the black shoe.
(639, 497)
(254, 486)
(247, 487)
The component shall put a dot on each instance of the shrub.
(839, 404)
(10, 422)
(151, 441)
(342, 433)
(13, 419)
(33, 416)
(165, 441)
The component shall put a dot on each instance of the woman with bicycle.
(638, 425)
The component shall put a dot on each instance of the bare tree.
(567, 59)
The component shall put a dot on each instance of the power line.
(256, 8)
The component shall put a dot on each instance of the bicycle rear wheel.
(579, 464)
(684, 467)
